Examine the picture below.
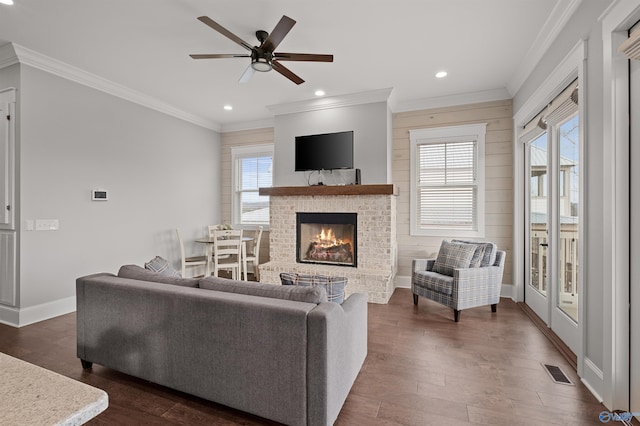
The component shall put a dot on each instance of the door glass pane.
(538, 223)
(569, 202)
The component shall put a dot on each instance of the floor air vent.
(557, 375)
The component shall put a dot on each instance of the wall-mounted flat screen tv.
(328, 151)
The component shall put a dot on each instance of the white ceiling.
(143, 46)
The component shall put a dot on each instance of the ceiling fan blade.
(247, 74)
(287, 72)
(217, 56)
(225, 32)
(302, 57)
(279, 32)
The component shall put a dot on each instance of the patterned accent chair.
(465, 274)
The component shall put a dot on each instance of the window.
(252, 169)
(447, 181)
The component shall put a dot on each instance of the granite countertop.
(31, 395)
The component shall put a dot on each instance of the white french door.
(553, 185)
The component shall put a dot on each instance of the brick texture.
(377, 245)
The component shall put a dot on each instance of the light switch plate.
(47, 225)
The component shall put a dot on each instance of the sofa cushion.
(136, 272)
(300, 294)
(333, 285)
(161, 266)
(453, 256)
(485, 250)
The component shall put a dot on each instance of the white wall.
(161, 173)
(370, 124)
(498, 160)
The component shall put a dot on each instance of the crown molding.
(247, 125)
(381, 95)
(53, 66)
(453, 100)
(7, 56)
(557, 20)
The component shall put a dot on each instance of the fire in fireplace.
(329, 238)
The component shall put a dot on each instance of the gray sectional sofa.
(280, 352)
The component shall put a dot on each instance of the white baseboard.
(9, 315)
(403, 281)
(593, 379)
(19, 317)
(508, 290)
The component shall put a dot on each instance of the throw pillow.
(136, 272)
(488, 257)
(453, 256)
(161, 266)
(478, 255)
(300, 294)
(333, 285)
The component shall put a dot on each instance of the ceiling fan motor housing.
(261, 60)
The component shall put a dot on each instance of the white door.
(553, 223)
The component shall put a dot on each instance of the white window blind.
(253, 169)
(448, 181)
(447, 185)
(631, 46)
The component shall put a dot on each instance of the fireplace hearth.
(327, 238)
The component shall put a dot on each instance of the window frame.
(439, 135)
(238, 153)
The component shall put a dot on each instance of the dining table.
(209, 241)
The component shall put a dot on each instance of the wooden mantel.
(382, 189)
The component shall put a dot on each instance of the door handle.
(544, 244)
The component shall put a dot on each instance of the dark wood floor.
(422, 369)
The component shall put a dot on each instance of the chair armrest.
(476, 274)
(423, 264)
(476, 286)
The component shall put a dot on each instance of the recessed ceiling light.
(319, 92)
(441, 74)
(9, 2)
(228, 107)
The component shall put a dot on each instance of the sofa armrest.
(81, 312)
(423, 264)
(337, 347)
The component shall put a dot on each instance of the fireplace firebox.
(327, 238)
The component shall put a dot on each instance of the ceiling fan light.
(261, 64)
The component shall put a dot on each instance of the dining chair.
(189, 261)
(227, 251)
(252, 256)
(218, 227)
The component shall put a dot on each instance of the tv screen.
(327, 151)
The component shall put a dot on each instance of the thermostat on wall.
(99, 195)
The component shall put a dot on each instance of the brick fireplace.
(375, 235)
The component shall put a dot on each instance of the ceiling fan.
(263, 57)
